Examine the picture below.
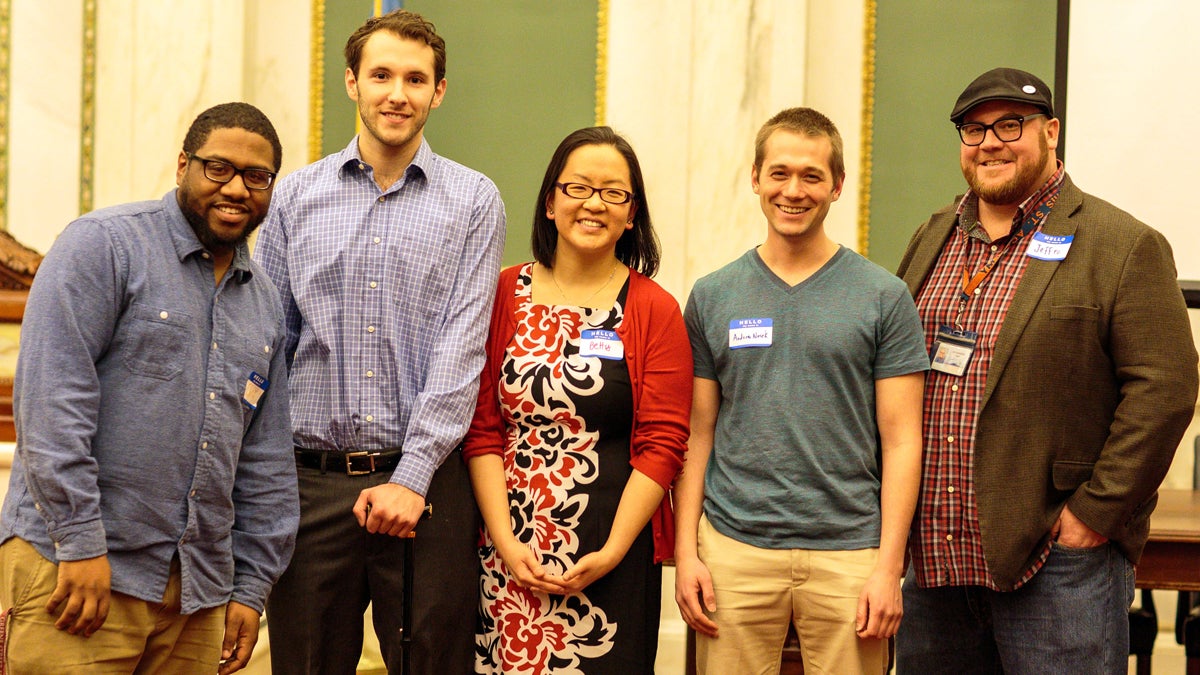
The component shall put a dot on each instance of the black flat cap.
(1003, 84)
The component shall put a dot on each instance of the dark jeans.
(315, 612)
(1072, 617)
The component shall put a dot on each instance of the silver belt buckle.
(351, 456)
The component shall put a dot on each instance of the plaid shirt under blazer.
(1091, 386)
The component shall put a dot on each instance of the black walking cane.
(406, 607)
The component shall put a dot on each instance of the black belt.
(354, 463)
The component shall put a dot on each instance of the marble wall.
(689, 83)
(156, 66)
(45, 67)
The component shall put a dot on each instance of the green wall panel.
(342, 17)
(926, 52)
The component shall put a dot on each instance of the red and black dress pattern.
(567, 419)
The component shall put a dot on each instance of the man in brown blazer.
(1063, 378)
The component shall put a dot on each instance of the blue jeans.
(1072, 617)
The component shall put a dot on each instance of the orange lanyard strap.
(971, 283)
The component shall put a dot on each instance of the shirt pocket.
(157, 340)
(251, 355)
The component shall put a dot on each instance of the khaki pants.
(138, 636)
(759, 591)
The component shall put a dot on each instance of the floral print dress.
(568, 417)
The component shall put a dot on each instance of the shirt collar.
(968, 207)
(187, 244)
(350, 161)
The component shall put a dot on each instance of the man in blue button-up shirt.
(153, 499)
(386, 256)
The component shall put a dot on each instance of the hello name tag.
(603, 344)
(1049, 247)
(256, 386)
(750, 333)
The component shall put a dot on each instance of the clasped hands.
(527, 570)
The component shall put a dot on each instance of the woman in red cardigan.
(580, 428)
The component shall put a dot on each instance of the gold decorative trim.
(316, 81)
(601, 60)
(5, 45)
(868, 124)
(87, 110)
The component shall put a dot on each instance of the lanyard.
(971, 283)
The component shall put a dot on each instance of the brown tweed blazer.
(1091, 386)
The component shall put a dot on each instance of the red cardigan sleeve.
(663, 380)
(661, 372)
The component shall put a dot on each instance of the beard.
(1017, 188)
(208, 237)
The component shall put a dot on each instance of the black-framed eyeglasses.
(1006, 129)
(581, 191)
(222, 172)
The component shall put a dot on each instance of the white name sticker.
(604, 344)
(750, 333)
(1048, 246)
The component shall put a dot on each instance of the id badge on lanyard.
(952, 350)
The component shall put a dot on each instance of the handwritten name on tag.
(603, 344)
(750, 333)
(1049, 246)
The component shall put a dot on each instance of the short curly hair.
(236, 115)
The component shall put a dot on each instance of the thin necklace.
(589, 298)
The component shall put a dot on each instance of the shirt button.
(361, 166)
(192, 493)
(383, 199)
(950, 489)
(214, 345)
(993, 248)
(266, 349)
(978, 291)
(370, 329)
(205, 255)
(374, 284)
(949, 439)
(37, 506)
(370, 418)
(954, 387)
(204, 445)
(370, 373)
(376, 240)
(211, 395)
(949, 537)
(163, 314)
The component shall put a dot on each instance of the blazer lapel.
(1034, 281)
